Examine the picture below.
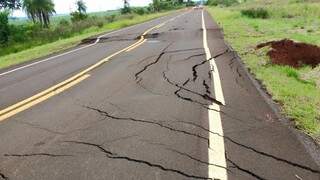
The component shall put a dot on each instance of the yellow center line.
(66, 84)
(36, 99)
(137, 45)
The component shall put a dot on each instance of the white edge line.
(75, 50)
(216, 150)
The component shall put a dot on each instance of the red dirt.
(288, 52)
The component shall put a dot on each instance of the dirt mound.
(288, 52)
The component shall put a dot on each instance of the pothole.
(176, 29)
(105, 39)
(152, 36)
(295, 54)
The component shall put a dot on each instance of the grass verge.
(297, 90)
(47, 49)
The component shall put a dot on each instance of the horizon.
(64, 7)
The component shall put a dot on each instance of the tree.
(10, 4)
(180, 1)
(156, 5)
(81, 6)
(80, 14)
(5, 7)
(126, 7)
(39, 11)
(4, 27)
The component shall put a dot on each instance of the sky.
(67, 6)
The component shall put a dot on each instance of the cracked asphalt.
(144, 114)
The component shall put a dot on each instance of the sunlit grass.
(297, 90)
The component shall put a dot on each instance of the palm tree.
(126, 3)
(81, 6)
(126, 7)
(10, 4)
(39, 10)
(29, 7)
(80, 14)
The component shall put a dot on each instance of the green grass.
(297, 90)
(57, 18)
(43, 50)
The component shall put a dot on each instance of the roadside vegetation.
(250, 23)
(39, 36)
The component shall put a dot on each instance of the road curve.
(167, 99)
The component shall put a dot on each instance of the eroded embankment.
(288, 52)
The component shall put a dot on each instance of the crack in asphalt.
(204, 105)
(120, 139)
(159, 57)
(244, 170)
(204, 83)
(55, 132)
(204, 96)
(189, 99)
(193, 56)
(230, 64)
(152, 63)
(144, 59)
(254, 150)
(163, 52)
(238, 72)
(4, 177)
(272, 156)
(195, 159)
(210, 74)
(183, 154)
(184, 50)
(186, 82)
(112, 155)
(139, 83)
(36, 154)
(194, 70)
(195, 67)
(41, 128)
(104, 113)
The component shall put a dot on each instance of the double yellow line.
(54, 90)
(142, 38)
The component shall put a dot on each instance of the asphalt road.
(177, 105)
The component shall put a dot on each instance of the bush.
(76, 16)
(126, 10)
(140, 10)
(100, 24)
(64, 22)
(62, 31)
(222, 2)
(110, 18)
(256, 13)
(4, 27)
(126, 16)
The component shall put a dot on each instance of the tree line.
(39, 30)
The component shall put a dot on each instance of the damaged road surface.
(152, 110)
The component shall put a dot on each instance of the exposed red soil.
(288, 52)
